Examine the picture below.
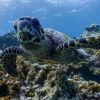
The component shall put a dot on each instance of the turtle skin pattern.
(8, 59)
(43, 44)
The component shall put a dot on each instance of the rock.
(93, 28)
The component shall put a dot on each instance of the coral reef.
(9, 39)
(47, 82)
(92, 30)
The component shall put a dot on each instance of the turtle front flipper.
(8, 59)
(77, 44)
(89, 42)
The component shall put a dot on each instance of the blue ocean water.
(36, 81)
(68, 16)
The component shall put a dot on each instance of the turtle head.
(29, 30)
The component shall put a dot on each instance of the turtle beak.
(24, 31)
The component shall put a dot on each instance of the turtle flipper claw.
(8, 59)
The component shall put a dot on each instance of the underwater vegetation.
(78, 79)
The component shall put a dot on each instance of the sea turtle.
(44, 44)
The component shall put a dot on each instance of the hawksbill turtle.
(45, 44)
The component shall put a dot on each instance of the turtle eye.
(22, 18)
(15, 27)
(35, 22)
(25, 18)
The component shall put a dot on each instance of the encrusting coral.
(48, 82)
